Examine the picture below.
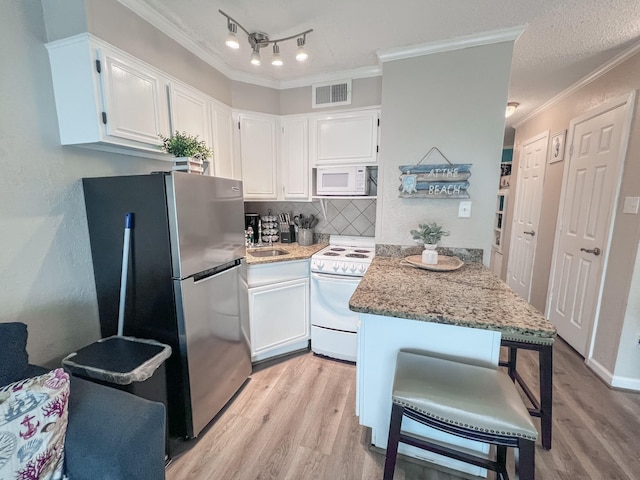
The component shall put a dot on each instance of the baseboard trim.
(614, 381)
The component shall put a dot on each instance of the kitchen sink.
(268, 253)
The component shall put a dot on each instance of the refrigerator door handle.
(200, 276)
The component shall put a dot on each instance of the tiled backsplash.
(344, 217)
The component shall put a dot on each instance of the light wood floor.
(295, 420)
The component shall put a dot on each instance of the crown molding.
(458, 43)
(362, 72)
(146, 12)
(610, 65)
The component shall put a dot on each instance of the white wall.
(626, 369)
(455, 101)
(615, 354)
(45, 261)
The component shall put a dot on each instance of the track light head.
(301, 52)
(255, 57)
(232, 38)
(277, 59)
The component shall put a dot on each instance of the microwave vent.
(331, 94)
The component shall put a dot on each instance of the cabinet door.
(294, 158)
(134, 100)
(190, 112)
(345, 138)
(279, 315)
(258, 151)
(224, 164)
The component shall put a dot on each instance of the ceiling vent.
(331, 94)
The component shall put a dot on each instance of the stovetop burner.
(348, 256)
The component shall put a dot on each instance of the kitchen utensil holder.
(305, 237)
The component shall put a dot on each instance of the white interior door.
(592, 175)
(526, 214)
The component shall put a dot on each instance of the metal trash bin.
(134, 365)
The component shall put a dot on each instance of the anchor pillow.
(33, 424)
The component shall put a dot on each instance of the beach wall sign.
(439, 180)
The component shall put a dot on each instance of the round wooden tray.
(445, 263)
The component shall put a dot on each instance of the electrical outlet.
(464, 209)
(631, 205)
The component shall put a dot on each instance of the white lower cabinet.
(278, 308)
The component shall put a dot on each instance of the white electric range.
(336, 271)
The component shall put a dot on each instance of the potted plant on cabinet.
(190, 152)
(429, 234)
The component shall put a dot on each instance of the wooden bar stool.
(469, 401)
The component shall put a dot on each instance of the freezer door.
(217, 353)
(206, 222)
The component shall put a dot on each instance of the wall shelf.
(499, 220)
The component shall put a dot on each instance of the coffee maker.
(251, 220)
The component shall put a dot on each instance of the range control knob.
(362, 268)
(344, 267)
(352, 268)
(319, 264)
(336, 266)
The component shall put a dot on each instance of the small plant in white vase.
(429, 234)
(186, 147)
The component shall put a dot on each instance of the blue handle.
(128, 220)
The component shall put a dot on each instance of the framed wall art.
(557, 147)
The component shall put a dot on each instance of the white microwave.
(342, 181)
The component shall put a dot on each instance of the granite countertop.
(295, 252)
(470, 297)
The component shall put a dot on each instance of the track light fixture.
(257, 40)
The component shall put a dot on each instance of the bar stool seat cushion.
(469, 396)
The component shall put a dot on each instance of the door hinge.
(378, 122)
(571, 150)
(98, 66)
(238, 125)
(104, 117)
(377, 148)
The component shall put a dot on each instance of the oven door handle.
(328, 277)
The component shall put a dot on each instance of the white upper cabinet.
(107, 99)
(259, 155)
(224, 162)
(190, 112)
(274, 152)
(294, 158)
(134, 100)
(344, 138)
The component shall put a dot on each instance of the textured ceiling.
(564, 40)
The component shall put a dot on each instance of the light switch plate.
(464, 209)
(631, 205)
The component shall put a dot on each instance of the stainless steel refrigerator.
(186, 281)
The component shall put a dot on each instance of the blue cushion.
(113, 434)
(13, 352)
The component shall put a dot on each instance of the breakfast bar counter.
(465, 314)
(469, 297)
